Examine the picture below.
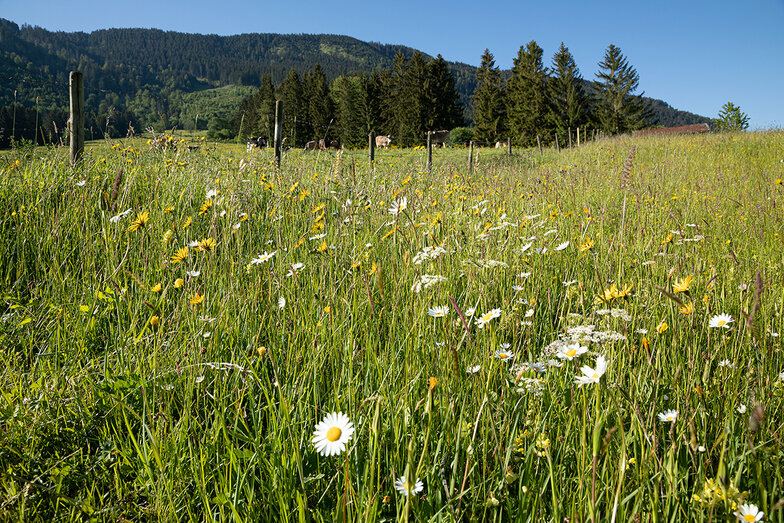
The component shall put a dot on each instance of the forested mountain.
(147, 76)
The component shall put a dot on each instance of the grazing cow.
(501, 145)
(311, 145)
(383, 141)
(334, 144)
(257, 143)
(438, 137)
(322, 144)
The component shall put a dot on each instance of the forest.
(140, 78)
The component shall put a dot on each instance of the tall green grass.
(122, 402)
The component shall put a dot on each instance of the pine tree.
(264, 124)
(527, 96)
(408, 99)
(489, 107)
(345, 92)
(443, 103)
(569, 103)
(618, 109)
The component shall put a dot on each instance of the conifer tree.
(618, 109)
(320, 112)
(489, 107)
(264, 124)
(409, 102)
(295, 127)
(731, 118)
(527, 96)
(443, 102)
(569, 103)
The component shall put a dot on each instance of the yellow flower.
(179, 282)
(667, 239)
(662, 327)
(318, 208)
(207, 245)
(187, 222)
(206, 206)
(373, 268)
(155, 321)
(682, 285)
(140, 221)
(687, 309)
(197, 299)
(323, 247)
(587, 245)
(169, 209)
(180, 255)
(432, 382)
(156, 288)
(262, 351)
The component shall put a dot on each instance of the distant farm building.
(681, 129)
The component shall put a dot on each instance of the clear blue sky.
(694, 54)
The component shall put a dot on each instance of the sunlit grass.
(175, 325)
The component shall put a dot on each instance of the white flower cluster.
(429, 253)
(425, 281)
(587, 333)
(533, 386)
(488, 264)
(615, 313)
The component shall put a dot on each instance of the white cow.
(383, 141)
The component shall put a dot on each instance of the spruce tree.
(489, 107)
(731, 118)
(569, 103)
(294, 124)
(320, 112)
(443, 102)
(527, 96)
(618, 109)
(408, 97)
(264, 124)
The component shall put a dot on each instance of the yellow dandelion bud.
(262, 350)
(179, 282)
(662, 327)
(156, 288)
(155, 321)
(432, 382)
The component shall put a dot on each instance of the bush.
(461, 135)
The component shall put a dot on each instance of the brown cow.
(501, 145)
(311, 145)
(439, 137)
(383, 141)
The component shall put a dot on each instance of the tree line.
(534, 103)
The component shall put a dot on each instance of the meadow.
(584, 335)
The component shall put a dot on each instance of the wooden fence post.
(429, 151)
(372, 148)
(539, 143)
(471, 156)
(557, 147)
(570, 137)
(509, 146)
(578, 136)
(278, 130)
(77, 117)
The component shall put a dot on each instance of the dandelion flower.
(197, 299)
(179, 282)
(180, 255)
(156, 288)
(687, 309)
(207, 245)
(438, 312)
(590, 375)
(587, 245)
(495, 313)
(662, 327)
(668, 416)
(404, 487)
(682, 285)
(570, 352)
(140, 221)
(749, 513)
(332, 433)
(205, 207)
(721, 320)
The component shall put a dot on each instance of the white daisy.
(438, 312)
(402, 485)
(726, 363)
(263, 258)
(741, 409)
(668, 416)
(398, 206)
(749, 513)
(570, 352)
(469, 311)
(332, 433)
(529, 313)
(473, 369)
(590, 375)
(295, 267)
(494, 313)
(281, 302)
(193, 274)
(721, 320)
(563, 246)
(504, 355)
(124, 214)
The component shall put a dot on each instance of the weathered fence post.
(578, 137)
(372, 148)
(429, 151)
(570, 137)
(509, 146)
(77, 117)
(557, 146)
(471, 156)
(278, 130)
(539, 143)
